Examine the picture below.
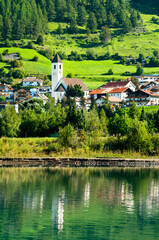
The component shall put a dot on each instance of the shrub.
(40, 40)
(110, 72)
(30, 45)
(7, 43)
(17, 73)
(138, 137)
(1, 57)
(16, 64)
(68, 136)
(5, 52)
(35, 58)
(69, 75)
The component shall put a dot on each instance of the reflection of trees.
(47, 198)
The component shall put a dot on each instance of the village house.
(152, 86)
(32, 81)
(142, 98)
(10, 95)
(98, 93)
(148, 78)
(14, 104)
(87, 103)
(119, 84)
(4, 88)
(119, 90)
(60, 84)
(114, 101)
(120, 93)
(21, 95)
(42, 97)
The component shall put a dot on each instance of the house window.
(60, 66)
(54, 66)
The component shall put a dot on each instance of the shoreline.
(76, 162)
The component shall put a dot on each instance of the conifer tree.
(82, 16)
(92, 22)
(50, 8)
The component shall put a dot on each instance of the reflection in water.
(61, 210)
(85, 203)
(127, 198)
(86, 194)
(58, 211)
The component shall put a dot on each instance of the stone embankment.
(78, 162)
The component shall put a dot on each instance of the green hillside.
(145, 39)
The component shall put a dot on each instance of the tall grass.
(49, 147)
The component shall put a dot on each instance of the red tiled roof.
(118, 90)
(150, 93)
(96, 91)
(116, 84)
(74, 81)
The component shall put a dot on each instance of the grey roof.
(57, 59)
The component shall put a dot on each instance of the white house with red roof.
(60, 84)
(119, 84)
(142, 98)
(120, 93)
(110, 89)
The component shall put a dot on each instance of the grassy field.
(144, 40)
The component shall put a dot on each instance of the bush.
(35, 58)
(47, 52)
(40, 40)
(1, 57)
(30, 45)
(68, 136)
(69, 75)
(19, 55)
(110, 72)
(16, 64)
(17, 73)
(5, 52)
(138, 137)
(90, 55)
(7, 43)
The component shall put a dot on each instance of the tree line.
(132, 128)
(29, 18)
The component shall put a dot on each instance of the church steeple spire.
(57, 59)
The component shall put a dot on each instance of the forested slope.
(21, 18)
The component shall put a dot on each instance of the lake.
(79, 203)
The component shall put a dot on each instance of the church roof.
(57, 59)
(61, 88)
(74, 81)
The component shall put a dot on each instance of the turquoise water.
(79, 203)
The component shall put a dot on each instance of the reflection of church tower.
(57, 73)
(58, 211)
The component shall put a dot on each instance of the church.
(60, 84)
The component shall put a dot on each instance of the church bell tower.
(56, 73)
